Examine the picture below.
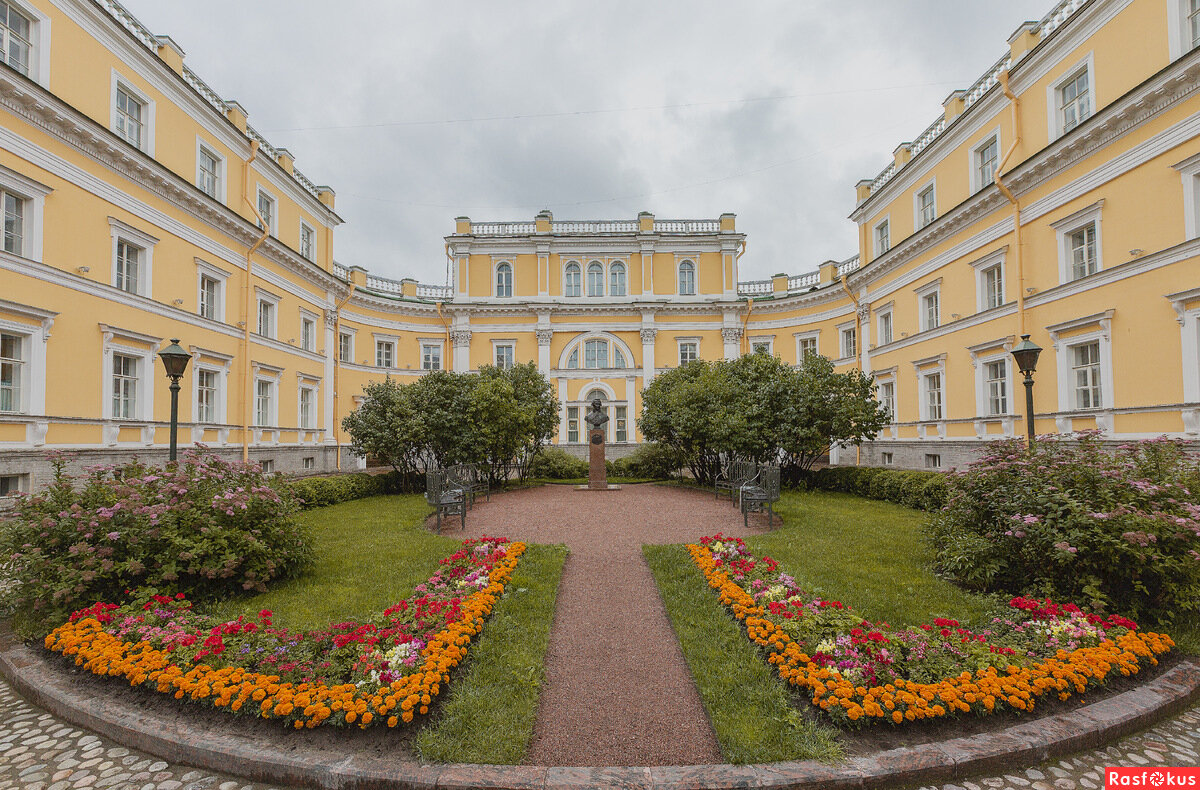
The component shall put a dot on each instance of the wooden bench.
(760, 493)
(445, 498)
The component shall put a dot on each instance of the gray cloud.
(863, 77)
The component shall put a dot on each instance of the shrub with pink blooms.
(1117, 530)
(205, 527)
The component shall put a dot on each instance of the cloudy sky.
(419, 112)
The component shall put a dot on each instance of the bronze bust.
(598, 415)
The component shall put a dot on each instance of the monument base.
(597, 488)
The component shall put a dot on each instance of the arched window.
(595, 282)
(595, 354)
(571, 278)
(596, 395)
(616, 279)
(573, 360)
(504, 280)
(618, 358)
(595, 351)
(687, 279)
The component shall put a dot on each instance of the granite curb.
(34, 676)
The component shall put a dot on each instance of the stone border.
(30, 672)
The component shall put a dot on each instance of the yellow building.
(1058, 196)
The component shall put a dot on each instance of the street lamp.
(1026, 356)
(175, 360)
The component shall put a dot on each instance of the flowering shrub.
(1072, 521)
(384, 670)
(860, 672)
(204, 526)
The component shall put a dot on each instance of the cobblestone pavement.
(40, 752)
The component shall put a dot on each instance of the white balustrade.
(687, 225)
(798, 281)
(755, 287)
(1059, 14)
(848, 265)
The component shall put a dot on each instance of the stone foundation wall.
(913, 454)
(611, 451)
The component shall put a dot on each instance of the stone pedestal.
(597, 474)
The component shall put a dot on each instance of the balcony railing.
(755, 287)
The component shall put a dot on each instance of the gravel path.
(618, 690)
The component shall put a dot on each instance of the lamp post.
(175, 360)
(1026, 356)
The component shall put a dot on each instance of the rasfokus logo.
(1152, 777)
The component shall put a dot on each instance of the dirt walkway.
(618, 690)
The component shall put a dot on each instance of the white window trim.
(422, 342)
(261, 190)
(119, 80)
(311, 316)
(300, 238)
(1189, 328)
(608, 272)
(1189, 172)
(928, 289)
(578, 341)
(973, 154)
(39, 39)
(261, 296)
(693, 260)
(342, 330)
(119, 341)
(996, 258)
(924, 368)
(271, 375)
(889, 311)
(582, 278)
(1063, 229)
(205, 269)
(376, 340)
(512, 284)
(1102, 332)
(1180, 38)
(509, 343)
(313, 385)
(679, 343)
(876, 252)
(220, 411)
(34, 194)
(119, 231)
(841, 338)
(930, 184)
(603, 278)
(814, 334)
(1054, 124)
(981, 356)
(222, 184)
(36, 333)
(759, 340)
(889, 376)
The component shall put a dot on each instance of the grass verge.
(489, 713)
(749, 707)
(870, 555)
(370, 553)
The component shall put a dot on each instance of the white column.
(864, 342)
(543, 268)
(648, 337)
(544, 336)
(462, 349)
(732, 335)
(630, 419)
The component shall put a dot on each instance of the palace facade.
(1058, 196)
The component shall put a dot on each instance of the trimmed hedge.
(651, 460)
(322, 491)
(551, 463)
(911, 488)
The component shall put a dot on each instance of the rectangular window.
(931, 311)
(761, 347)
(887, 398)
(933, 461)
(986, 158)
(308, 462)
(926, 208)
(996, 383)
(206, 395)
(849, 342)
(15, 38)
(266, 318)
(12, 371)
(345, 347)
(208, 172)
(885, 328)
(688, 352)
(883, 237)
(264, 400)
(1081, 246)
(268, 466)
(124, 387)
(308, 334)
(266, 209)
(572, 423)
(128, 262)
(209, 295)
(1074, 100)
(1194, 22)
(622, 423)
(14, 224)
(10, 485)
(308, 407)
(1085, 369)
(595, 354)
(886, 459)
(993, 287)
(130, 117)
(808, 345)
(307, 241)
(504, 356)
(933, 396)
(385, 354)
(431, 356)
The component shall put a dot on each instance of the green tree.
(386, 426)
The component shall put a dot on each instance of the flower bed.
(861, 672)
(387, 669)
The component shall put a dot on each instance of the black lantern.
(175, 360)
(1026, 356)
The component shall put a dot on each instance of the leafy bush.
(555, 464)
(1118, 531)
(650, 460)
(915, 489)
(323, 491)
(205, 527)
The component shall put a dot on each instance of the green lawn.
(370, 553)
(868, 554)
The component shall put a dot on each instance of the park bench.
(731, 476)
(445, 498)
(760, 493)
(471, 480)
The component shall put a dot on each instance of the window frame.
(271, 419)
(273, 220)
(427, 359)
(572, 285)
(203, 148)
(1089, 329)
(121, 83)
(309, 386)
(501, 268)
(308, 318)
(1054, 115)
(39, 42)
(120, 233)
(1189, 172)
(572, 420)
(693, 343)
(620, 422)
(679, 278)
(33, 327)
(33, 194)
(802, 338)
(269, 299)
(221, 379)
(886, 225)
(927, 414)
(886, 312)
(1064, 228)
(847, 351)
(311, 255)
(593, 268)
(929, 187)
(931, 290)
(220, 277)
(385, 344)
(990, 138)
(343, 332)
(120, 342)
(889, 402)
(19, 385)
(618, 269)
(511, 346)
(762, 340)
